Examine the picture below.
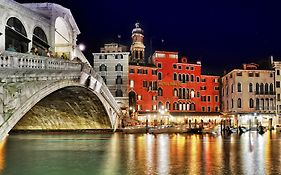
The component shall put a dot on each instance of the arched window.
(271, 104)
(198, 79)
(175, 106)
(239, 103)
(192, 107)
(232, 88)
(232, 103)
(266, 88)
(103, 67)
(183, 78)
(160, 104)
(267, 104)
(175, 76)
(261, 88)
(250, 87)
(39, 41)
(15, 36)
(257, 88)
(262, 104)
(180, 106)
(192, 78)
(159, 76)
(257, 104)
(118, 67)
(119, 80)
(119, 93)
(187, 77)
(271, 88)
(251, 103)
(180, 77)
(160, 92)
(239, 87)
(168, 105)
(176, 93)
(180, 93)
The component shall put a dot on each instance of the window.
(209, 98)
(257, 104)
(103, 67)
(179, 77)
(174, 66)
(119, 56)
(139, 71)
(139, 107)
(271, 74)
(159, 65)
(119, 80)
(239, 74)
(118, 67)
(257, 74)
(145, 71)
(175, 92)
(239, 103)
(203, 88)
(154, 98)
(257, 88)
(232, 88)
(192, 68)
(239, 88)
(103, 56)
(232, 103)
(119, 93)
(216, 98)
(250, 74)
(203, 109)
(216, 109)
(266, 88)
(160, 92)
(198, 94)
(187, 68)
(197, 79)
(131, 83)
(250, 87)
(217, 88)
(132, 71)
(154, 72)
(261, 88)
(168, 106)
(180, 67)
(209, 109)
(278, 97)
(159, 76)
(175, 76)
(187, 77)
(278, 72)
(271, 88)
(192, 107)
(277, 84)
(251, 103)
(139, 97)
(192, 78)
(203, 98)
(203, 80)
(144, 83)
(175, 106)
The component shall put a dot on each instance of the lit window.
(131, 83)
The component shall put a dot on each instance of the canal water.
(110, 154)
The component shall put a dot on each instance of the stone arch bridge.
(44, 87)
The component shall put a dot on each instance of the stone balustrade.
(14, 60)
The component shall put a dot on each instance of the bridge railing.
(16, 60)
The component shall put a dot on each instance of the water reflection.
(250, 153)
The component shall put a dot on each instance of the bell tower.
(137, 47)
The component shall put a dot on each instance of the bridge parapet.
(20, 60)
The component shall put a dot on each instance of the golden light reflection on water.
(249, 153)
(2, 154)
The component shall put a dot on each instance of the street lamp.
(82, 47)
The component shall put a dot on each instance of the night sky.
(223, 34)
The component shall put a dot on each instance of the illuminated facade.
(112, 65)
(178, 87)
(248, 94)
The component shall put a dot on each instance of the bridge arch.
(45, 91)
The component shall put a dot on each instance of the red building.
(174, 88)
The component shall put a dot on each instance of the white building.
(248, 95)
(40, 25)
(277, 67)
(112, 64)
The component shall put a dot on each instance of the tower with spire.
(137, 47)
